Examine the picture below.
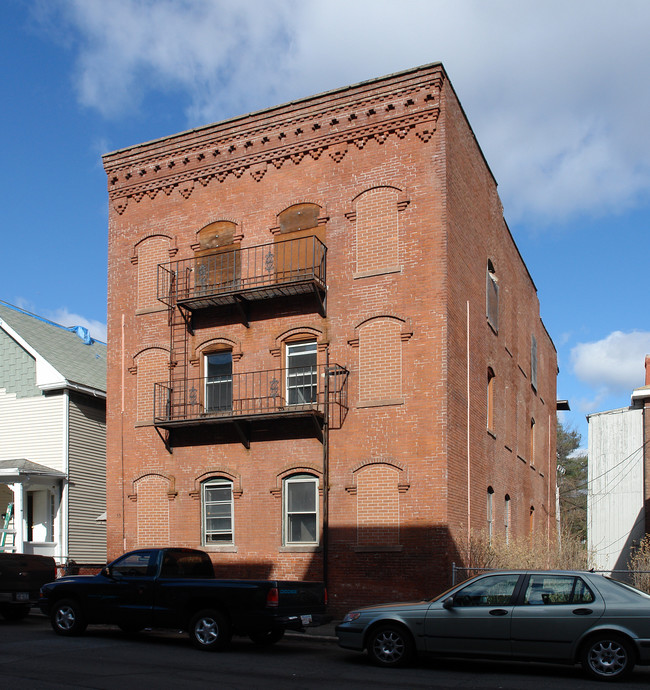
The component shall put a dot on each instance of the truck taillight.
(272, 597)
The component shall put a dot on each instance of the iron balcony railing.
(286, 267)
(318, 391)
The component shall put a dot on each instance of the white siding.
(615, 510)
(32, 428)
(87, 492)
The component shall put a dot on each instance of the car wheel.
(67, 618)
(390, 646)
(14, 612)
(209, 630)
(607, 657)
(268, 637)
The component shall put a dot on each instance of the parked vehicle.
(21, 577)
(176, 589)
(555, 616)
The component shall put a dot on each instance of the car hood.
(398, 605)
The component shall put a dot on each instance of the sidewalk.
(324, 633)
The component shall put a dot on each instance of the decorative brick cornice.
(336, 123)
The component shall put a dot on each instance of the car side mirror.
(448, 603)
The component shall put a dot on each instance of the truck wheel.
(209, 630)
(14, 613)
(67, 618)
(268, 637)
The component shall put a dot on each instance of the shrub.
(639, 564)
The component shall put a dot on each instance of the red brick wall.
(410, 216)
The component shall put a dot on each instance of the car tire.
(67, 618)
(267, 638)
(13, 612)
(209, 630)
(390, 646)
(607, 657)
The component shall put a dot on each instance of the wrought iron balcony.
(277, 269)
(318, 392)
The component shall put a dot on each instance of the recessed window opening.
(218, 381)
(301, 509)
(302, 372)
(217, 506)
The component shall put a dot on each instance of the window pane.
(301, 496)
(302, 528)
(496, 590)
(217, 512)
(218, 493)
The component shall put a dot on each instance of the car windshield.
(630, 588)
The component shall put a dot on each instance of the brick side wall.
(409, 215)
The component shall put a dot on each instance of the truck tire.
(67, 618)
(267, 637)
(209, 630)
(14, 612)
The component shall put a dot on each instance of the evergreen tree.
(572, 482)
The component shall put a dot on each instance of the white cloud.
(612, 366)
(66, 318)
(555, 90)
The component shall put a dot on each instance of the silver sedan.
(554, 616)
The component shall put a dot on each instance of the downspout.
(469, 469)
(64, 527)
(122, 435)
(326, 470)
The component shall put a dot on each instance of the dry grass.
(537, 553)
(640, 562)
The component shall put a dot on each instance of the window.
(302, 373)
(217, 508)
(506, 518)
(494, 590)
(137, 564)
(531, 452)
(218, 262)
(490, 398)
(533, 361)
(301, 509)
(218, 381)
(490, 512)
(492, 297)
(549, 590)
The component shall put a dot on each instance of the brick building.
(326, 356)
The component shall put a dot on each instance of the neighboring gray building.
(619, 469)
(52, 439)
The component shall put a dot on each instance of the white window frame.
(287, 514)
(227, 403)
(291, 377)
(216, 482)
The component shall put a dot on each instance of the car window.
(139, 564)
(549, 590)
(494, 590)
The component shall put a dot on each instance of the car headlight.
(352, 616)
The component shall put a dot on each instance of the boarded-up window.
(492, 297)
(299, 246)
(378, 505)
(218, 260)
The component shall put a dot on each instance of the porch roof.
(21, 468)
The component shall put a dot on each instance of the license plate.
(305, 620)
(22, 596)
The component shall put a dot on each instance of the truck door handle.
(498, 612)
(582, 612)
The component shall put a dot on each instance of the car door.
(554, 610)
(474, 619)
(126, 596)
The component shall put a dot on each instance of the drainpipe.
(326, 470)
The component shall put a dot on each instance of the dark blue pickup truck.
(176, 589)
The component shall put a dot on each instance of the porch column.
(19, 518)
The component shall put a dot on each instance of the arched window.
(218, 260)
(490, 398)
(492, 297)
(217, 512)
(490, 513)
(300, 244)
(300, 510)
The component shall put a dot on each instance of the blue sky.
(557, 93)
